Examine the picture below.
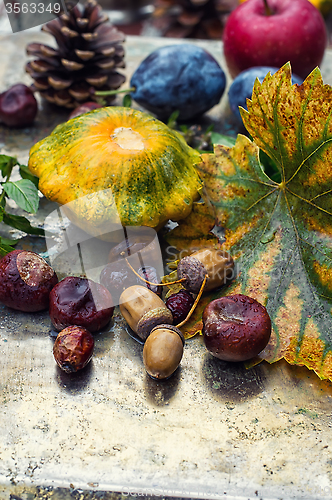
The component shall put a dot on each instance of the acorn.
(217, 265)
(143, 310)
(163, 350)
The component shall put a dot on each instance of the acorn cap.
(153, 318)
(193, 271)
(170, 327)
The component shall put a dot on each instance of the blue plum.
(243, 84)
(181, 77)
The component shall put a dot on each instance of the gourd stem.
(113, 92)
(268, 10)
(195, 303)
(150, 282)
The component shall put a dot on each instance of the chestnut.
(162, 351)
(84, 108)
(81, 302)
(139, 242)
(116, 277)
(149, 274)
(18, 106)
(26, 281)
(235, 327)
(217, 265)
(73, 348)
(143, 310)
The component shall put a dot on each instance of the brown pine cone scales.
(192, 18)
(89, 51)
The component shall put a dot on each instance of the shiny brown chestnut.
(143, 310)
(26, 281)
(163, 350)
(141, 243)
(236, 327)
(217, 265)
(81, 302)
(73, 348)
(84, 108)
(116, 277)
(18, 106)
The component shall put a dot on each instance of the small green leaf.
(21, 223)
(8, 241)
(223, 140)
(6, 164)
(26, 174)
(24, 193)
(126, 102)
(4, 248)
(172, 119)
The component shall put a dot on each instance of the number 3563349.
(32, 8)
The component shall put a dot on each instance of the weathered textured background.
(214, 430)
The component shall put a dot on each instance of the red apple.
(293, 31)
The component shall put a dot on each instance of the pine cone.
(192, 18)
(89, 52)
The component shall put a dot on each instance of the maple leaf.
(281, 233)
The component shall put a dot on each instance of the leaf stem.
(2, 195)
(150, 282)
(113, 92)
(268, 10)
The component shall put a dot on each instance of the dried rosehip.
(73, 348)
(180, 304)
(18, 106)
(81, 302)
(26, 281)
(236, 327)
(149, 273)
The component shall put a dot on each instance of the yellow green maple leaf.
(281, 233)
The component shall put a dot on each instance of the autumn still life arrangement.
(264, 291)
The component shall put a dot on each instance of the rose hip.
(236, 327)
(180, 304)
(73, 348)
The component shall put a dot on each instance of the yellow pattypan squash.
(117, 164)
